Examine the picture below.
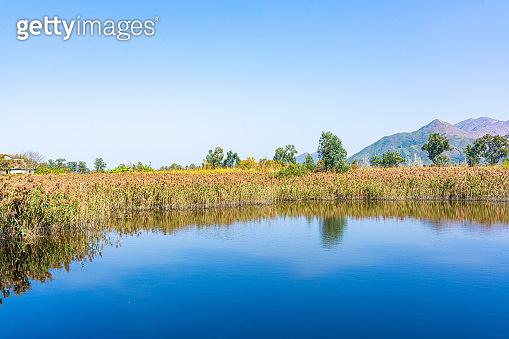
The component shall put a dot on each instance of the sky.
(247, 75)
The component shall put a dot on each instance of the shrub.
(292, 170)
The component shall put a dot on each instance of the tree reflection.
(22, 262)
(331, 230)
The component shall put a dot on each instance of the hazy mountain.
(481, 126)
(302, 158)
(409, 144)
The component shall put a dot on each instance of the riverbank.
(33, 205)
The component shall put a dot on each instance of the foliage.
(99, 165)
(269, 165)
(232, 160)
(472, 154)
(122, 168)
(138, 167)
(332, 153)
(32, 159)
(292, 170)
(31, 204)
(248, 164)
(286, 155)
(489, 149)
(82, 167)
(58, 164)
(309, 163)
(214, 158)
(435, 146)
(388, 159)
(172, 167)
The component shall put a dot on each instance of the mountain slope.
(481, 126)
(409, 144)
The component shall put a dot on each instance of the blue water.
(282, 277)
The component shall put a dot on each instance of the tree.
(376, 161)
(214, 158)
(58, 164)
(435, 146)
(309, 163)
(286, 155)
(492, 148)
(232, 160)
(473, 154)
(72, 166)
(99, 165)
(82, 167)
(33, 159)
(331, 152)
(172, 167)
(388, 159)
(249, 163)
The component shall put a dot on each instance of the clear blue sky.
(248, 75)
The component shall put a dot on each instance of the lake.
(360, 270)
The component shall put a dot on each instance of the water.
(322, 270)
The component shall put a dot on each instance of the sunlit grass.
(29, 205)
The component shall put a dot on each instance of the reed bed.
(38, 204)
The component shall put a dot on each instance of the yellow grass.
(32, 204)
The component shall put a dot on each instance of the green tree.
(232, 160)
(332, 153)
(286, 155)
(473, 154)
(435, 146)
(58, 164)
(388, 159)
(492, 148)
(99, 165)
(82, 167)
(214, 158)
(141, 167)
(72, 166)
(309, 163)
(172, 167)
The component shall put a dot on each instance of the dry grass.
(32, 205)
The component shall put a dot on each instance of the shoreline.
(29, 205)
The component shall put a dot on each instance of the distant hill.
(409, 144)
(302, 158)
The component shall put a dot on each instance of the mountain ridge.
(409, 144)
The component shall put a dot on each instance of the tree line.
(489, 150)
(332, 156)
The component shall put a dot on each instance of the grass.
(40, 204)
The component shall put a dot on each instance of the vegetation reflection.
(23, 261)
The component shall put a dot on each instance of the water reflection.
(331, 230)
(21, 263)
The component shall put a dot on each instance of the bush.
(292, 170)
(249, 163)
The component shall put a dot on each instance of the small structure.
(10, 164)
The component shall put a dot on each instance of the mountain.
(409, 144)
(481, 126)
(302, 158)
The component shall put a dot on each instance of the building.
(10, 164)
